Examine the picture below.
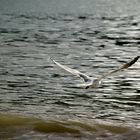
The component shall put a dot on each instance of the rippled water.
(30, 84)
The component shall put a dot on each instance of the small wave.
(13, 126)
(12, 31)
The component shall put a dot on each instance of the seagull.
(90, 82)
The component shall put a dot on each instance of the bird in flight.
(90, 82)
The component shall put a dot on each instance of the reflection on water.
(30, 84)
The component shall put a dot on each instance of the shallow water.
(21, 127)
(31, 85)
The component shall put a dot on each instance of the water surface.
(92, 42)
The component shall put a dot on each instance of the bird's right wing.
(73, 71)
(125, 66)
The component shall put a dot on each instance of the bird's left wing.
(73, 71)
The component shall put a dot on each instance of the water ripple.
(31, 84)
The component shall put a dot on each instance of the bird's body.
(94, 83)
(90, 82)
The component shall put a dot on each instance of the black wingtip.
(133, 61)
(52, 59)
(130, 63)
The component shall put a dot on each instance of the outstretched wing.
(73, 71)
(125, 66)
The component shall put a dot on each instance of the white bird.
(91, 82)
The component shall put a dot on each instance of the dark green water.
(91, 36)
